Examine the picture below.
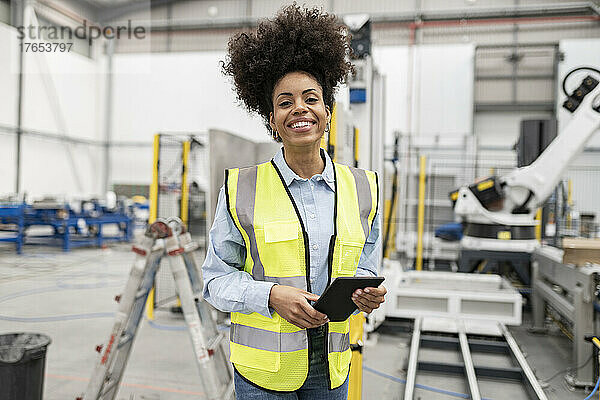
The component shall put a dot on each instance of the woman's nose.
(300, 109)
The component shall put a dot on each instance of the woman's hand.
(369, 299)
(292, 304)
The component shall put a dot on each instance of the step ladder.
(448, 335)
(164, 238)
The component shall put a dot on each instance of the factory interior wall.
(494, 128)
(431, 113)
(63, 95)
(8, 109)
(149, 96)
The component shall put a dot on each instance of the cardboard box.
(579, 251)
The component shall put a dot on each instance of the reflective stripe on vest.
(271, 352)
(338, 342)
(268, 340)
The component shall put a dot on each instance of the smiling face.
(299, 113)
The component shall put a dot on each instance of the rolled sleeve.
(226, 286)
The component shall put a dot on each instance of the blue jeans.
(314, 388)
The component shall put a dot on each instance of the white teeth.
(301, 124)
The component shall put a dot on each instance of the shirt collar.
(289, 175)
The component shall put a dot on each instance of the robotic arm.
(513, 199)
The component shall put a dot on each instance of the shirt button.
(315, 247)
(313, 216)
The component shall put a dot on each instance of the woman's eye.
(285, 103)
(312, 99)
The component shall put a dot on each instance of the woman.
(285, 229)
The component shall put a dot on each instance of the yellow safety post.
(569, 202)
(356, 143)
(153, 213)
(538, 227)
(356, 336)
(387, 209)
(596, 343)
(184, 184)
(154, 184)
(421, 214)
(333, 134)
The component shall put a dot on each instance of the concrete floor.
(69, 297)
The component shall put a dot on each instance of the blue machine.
(11, 215)
(70, 228)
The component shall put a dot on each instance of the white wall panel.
(63, 86)
(444, 90)
(7, 163)
(60, 85)
(392, 62)
(131, 165)
(502, 128)
(47, 170)
(179, 92)
(8, 77)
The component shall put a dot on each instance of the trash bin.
(22, 364)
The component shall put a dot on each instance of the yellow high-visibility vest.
(271, 352)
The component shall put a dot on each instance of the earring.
(328, 128)
(275, 135)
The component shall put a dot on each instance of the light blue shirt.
(230, 289)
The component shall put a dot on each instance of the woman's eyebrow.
(290, 94)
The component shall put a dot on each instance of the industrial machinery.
(567, 295)
(457, 316)
(499, 212)
(73, 223)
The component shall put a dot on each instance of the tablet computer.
(336, 301)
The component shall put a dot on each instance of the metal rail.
(412, 361)
(505, 344)
(469, 369)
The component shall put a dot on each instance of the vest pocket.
(282, 253)
(254, 358)
(348, 257)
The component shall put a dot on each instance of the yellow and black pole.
(356, 345)
(184, 184)
(421, 214)
(596, 355)
(332, 138)
(153, 210)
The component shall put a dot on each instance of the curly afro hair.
(297, 39)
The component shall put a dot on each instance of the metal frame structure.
(159, 186)
(569, 291)
(69, 228)
(503, 343)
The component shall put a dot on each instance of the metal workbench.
(569, 291)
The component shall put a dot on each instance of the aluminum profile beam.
(469, 369)
(531, 381)
(411, 375)
(542, 10)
